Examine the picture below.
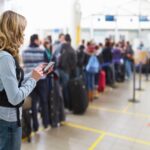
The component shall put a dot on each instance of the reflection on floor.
(110, 123)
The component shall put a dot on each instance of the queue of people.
(76, 75)
(87, 62)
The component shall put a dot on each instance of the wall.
(128, 35)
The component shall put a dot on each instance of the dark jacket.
(68, 58)
(128, 54)
(107, 55)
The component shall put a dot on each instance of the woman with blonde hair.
(13, 88)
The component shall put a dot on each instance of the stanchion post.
(133, 100)
(140, 78)
(147, 70)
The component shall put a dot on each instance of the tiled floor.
(110, 123)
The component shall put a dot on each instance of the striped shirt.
(32, 57)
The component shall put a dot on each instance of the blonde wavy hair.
(12, 26)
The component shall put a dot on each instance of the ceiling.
(115, 7)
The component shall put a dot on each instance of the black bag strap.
(20, 78)
(19, 73)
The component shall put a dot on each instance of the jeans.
(112, 66)
(96, 79)
(10, 136)
(117, 71)
(110, 74)
(90, 81)
(40, 97)
(128, 68)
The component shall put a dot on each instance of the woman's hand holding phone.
(48, 68)
(39, 72)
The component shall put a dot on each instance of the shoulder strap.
(20, 77)
(19, 73)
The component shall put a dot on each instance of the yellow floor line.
(99, 139)
(104, 109)
(141, 115)
(127, 138)
(82, 127)
(130, 139)
(127, 107)
(120, 112)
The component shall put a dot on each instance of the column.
(74, 22)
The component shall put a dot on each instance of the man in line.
(33, 56)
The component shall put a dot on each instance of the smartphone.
(49, 65)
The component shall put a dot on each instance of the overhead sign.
(109, 18)
(143, 18)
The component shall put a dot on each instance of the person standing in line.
(128, 59)
(57, 50)
(13, 89)
(32, 56)
(48, 51)
(107, 59)
(58, 44)
(89, 76)
(67, 67)
(80, 60)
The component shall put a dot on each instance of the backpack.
(93, 65)
(68, 58)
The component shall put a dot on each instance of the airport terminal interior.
(102, 102)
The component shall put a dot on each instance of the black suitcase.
(78, 95)
(120, 72)
(56, 103)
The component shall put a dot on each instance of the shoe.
(113, 86)
(47, 128)
(96, 94)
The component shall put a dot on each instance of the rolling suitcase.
(78, 95)
(102, 81)
(121, 73)
(56, 103)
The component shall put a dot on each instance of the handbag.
(27, 103)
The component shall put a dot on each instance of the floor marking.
(104, 109)
(98, 141)
(127, 107)
(120, 112)
(32, 134)
(123, 137)
(77, 126)
(130, 139)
